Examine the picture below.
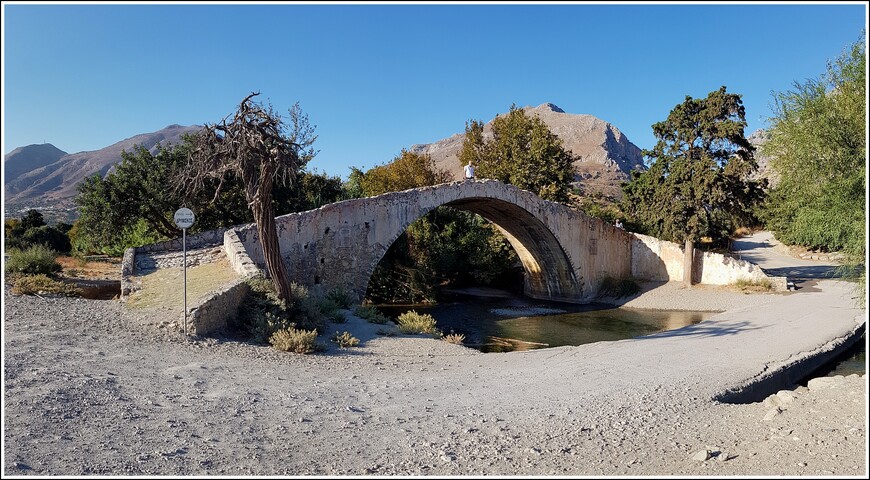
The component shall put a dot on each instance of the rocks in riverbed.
(772, 413)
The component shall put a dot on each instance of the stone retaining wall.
(211, 313)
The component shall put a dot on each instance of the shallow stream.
(505, 323)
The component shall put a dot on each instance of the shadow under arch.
(549, 273)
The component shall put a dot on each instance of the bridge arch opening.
(547, 270)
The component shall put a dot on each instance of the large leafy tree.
(698, 182)
(522, 151)
(258, 148)
(818, 149)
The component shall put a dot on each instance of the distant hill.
(42, 176)
(24, 159)
(606, 155)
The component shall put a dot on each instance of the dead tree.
(256, 147)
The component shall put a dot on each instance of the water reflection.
(489, 331)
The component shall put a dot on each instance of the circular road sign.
(184, 217)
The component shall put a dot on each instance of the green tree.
(698, 181)
(408, 170)
(522, 152)
(818, 149)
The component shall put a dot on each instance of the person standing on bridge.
(469, 171)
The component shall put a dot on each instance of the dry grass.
(753, 285)
(165, 287)
(93, 270)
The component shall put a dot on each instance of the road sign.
(184, 217)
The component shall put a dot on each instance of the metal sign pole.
(184, 218)
(184, 249)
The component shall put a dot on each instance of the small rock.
(723, 457)
(772, 413)
(786, 396)
(820, 383)
(535, 450)
(773, 401)
(701, 456)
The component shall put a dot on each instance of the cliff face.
(606, 156)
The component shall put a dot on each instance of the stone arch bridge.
(565, 253)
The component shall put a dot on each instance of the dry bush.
(413, 322)
(43, 284)
(345, 340)
(295, 341)
(454, 338)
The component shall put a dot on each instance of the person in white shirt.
(469, 171)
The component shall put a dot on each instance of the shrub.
(262, 313)
(341, 297)
(413, 322)
(371, 314)
(327, 305)
(36, 284)
(294, 340)
(454, 338)
(345, 340)
(618, 288)
(34, 260)
(337, 316)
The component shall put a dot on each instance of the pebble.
(701, 456)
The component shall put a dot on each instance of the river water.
(504, 323)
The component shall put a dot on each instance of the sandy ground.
(91, 390)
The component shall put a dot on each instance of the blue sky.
(379, 78)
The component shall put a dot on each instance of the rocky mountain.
(757, 139)
(606, 156)
(42, 176)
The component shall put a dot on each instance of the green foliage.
(341, 297)
(447, 246)
(33, 260)
(408, 170)
(818, 149)
(42, 284)
(133, 205)
(262, 313)
(371, 314)
(698, 184)
(295, 340)
(522, 152)
(345, 340)
(414, 323)
(32, 219)
(331, 310)
(618, 287)
(31, 230)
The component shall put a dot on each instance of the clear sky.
(379, 78)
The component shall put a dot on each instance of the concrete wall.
(660, 260)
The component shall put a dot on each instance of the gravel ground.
(91, 390)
